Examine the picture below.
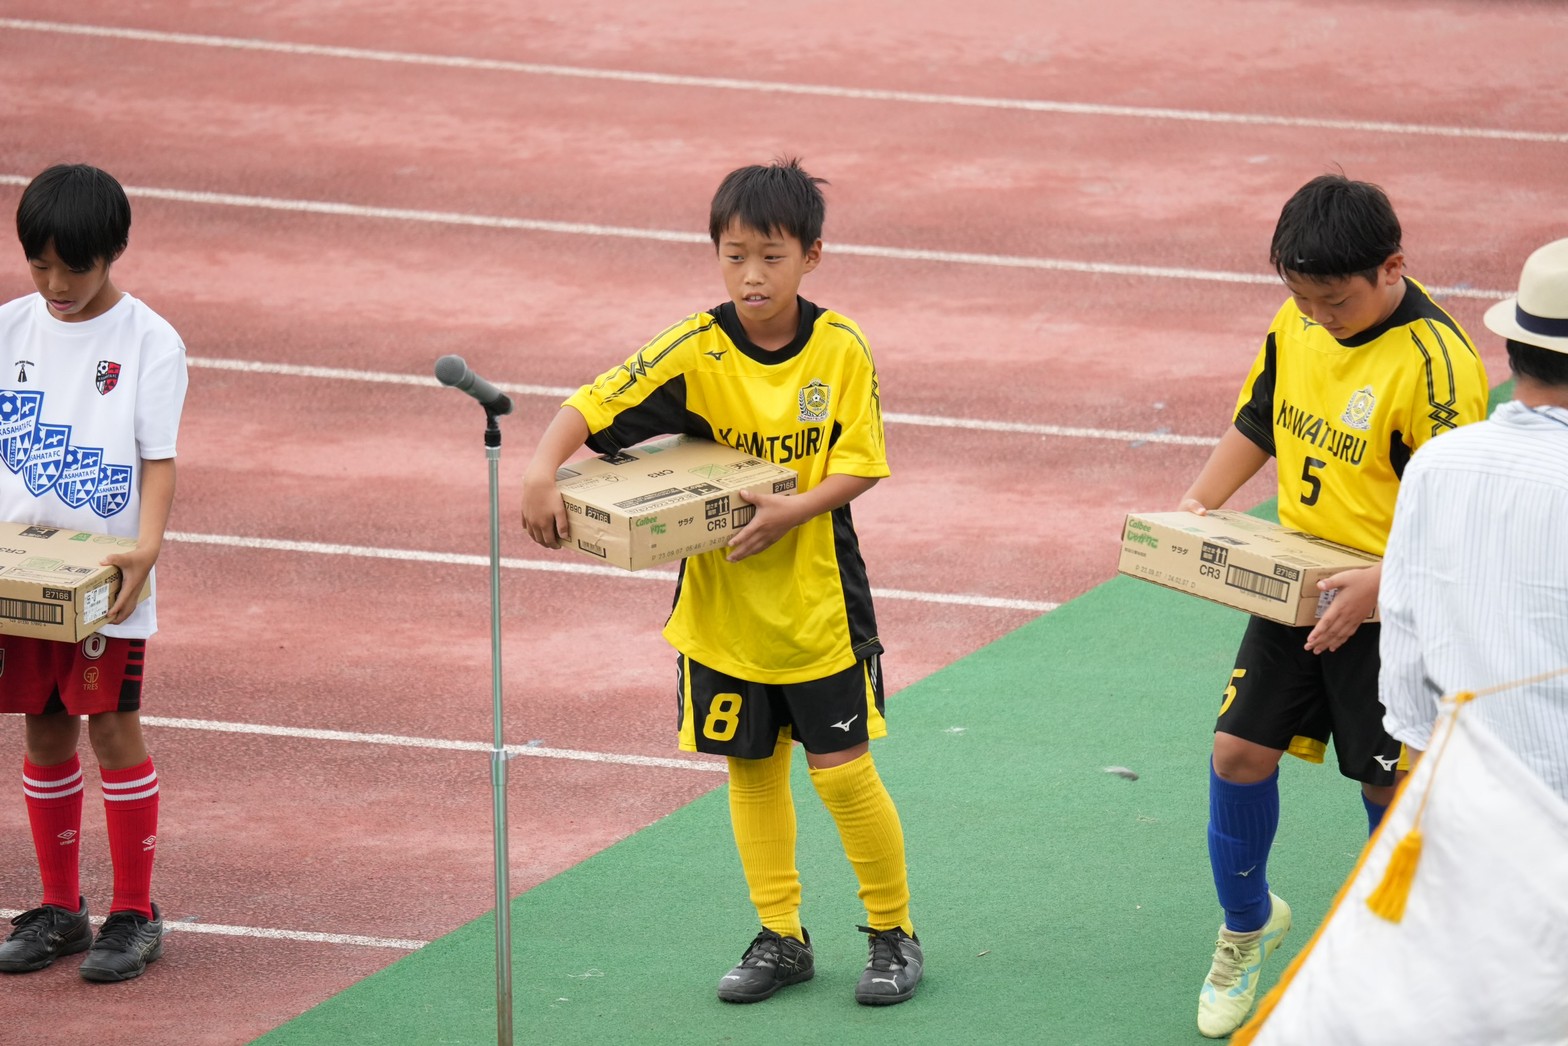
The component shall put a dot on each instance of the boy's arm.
(1236, 460)
(778, 514)
(544, 513)
(157, 493)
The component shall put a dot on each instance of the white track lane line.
(560, 393)
(465, 559)
(1009, 261)
(432, 743)
(775, 87)
(170, 925)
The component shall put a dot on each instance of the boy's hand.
(1192, 505)
(134, 566)
(1355, 599)
(776, 516)
(544, 513)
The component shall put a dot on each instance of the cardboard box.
(51, 586)
(1238, 560)
(663, 500)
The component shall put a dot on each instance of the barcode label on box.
(1256, 583)
(32, 611)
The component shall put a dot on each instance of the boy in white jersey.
(776, 636)
(92, 383)
(1359, 369)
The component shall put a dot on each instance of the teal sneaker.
(1232, 984)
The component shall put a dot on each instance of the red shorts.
(99, 674)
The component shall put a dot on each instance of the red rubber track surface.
(1193, 124)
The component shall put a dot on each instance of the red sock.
(54, 809)
(130, 803)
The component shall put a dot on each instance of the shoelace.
(1227, 968)
(885, 953)
(32, 924)
(766, 950)
(119, 929)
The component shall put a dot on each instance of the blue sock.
(1242, 821)
(1374, 813)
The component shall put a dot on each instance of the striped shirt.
(1475, 585)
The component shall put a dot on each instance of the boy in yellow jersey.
(1358, 370)
(775, 634)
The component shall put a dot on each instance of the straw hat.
(1539, 314)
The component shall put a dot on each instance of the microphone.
(451, 370)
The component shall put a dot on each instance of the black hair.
(1334, 228)
(779, 197)
(1542, 365)
(80, 209)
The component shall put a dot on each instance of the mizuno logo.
(719, 355)
(1248, 872)
(845, 725)
(1386, 764)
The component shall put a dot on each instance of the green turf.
(1058, 904)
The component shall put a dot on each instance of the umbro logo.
(1386, 764)
(67, 837)
(845, 725)
(149, 842)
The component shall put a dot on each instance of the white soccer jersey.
(81, 406)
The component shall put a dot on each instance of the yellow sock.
(873, 839)
(762, 815)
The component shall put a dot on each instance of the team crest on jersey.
(1358, 414)
(18, 424)
(48, 457)
(113, 490)
(814, 401)
(79, 475)
(108, 376)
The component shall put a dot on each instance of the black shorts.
(727, 716)
(1282, 695)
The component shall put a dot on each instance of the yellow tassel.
(1389, 898)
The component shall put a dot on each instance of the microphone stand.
(498, 753)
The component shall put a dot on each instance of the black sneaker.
(43, 935)
(127, 942)
(768, 965)
(893, 970)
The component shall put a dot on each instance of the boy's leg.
(52, 786)
(132, 936)
(726, 716)
(762, 816)
(836, 719)
(1273, 704)
(130, 801)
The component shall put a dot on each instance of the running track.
(1052, 224)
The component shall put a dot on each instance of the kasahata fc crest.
(814, 401)
(1358, 413)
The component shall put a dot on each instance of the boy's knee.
(117, 739)
(51, 739)
(1243, 762)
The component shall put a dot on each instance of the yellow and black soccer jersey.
(801, 609)
(1342, 418)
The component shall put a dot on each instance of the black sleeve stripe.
(1443, 412)
(876, 386)
(1255, 419)
(638, 366)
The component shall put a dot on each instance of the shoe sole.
(729, 995)
(20, 967)
(114, 976)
